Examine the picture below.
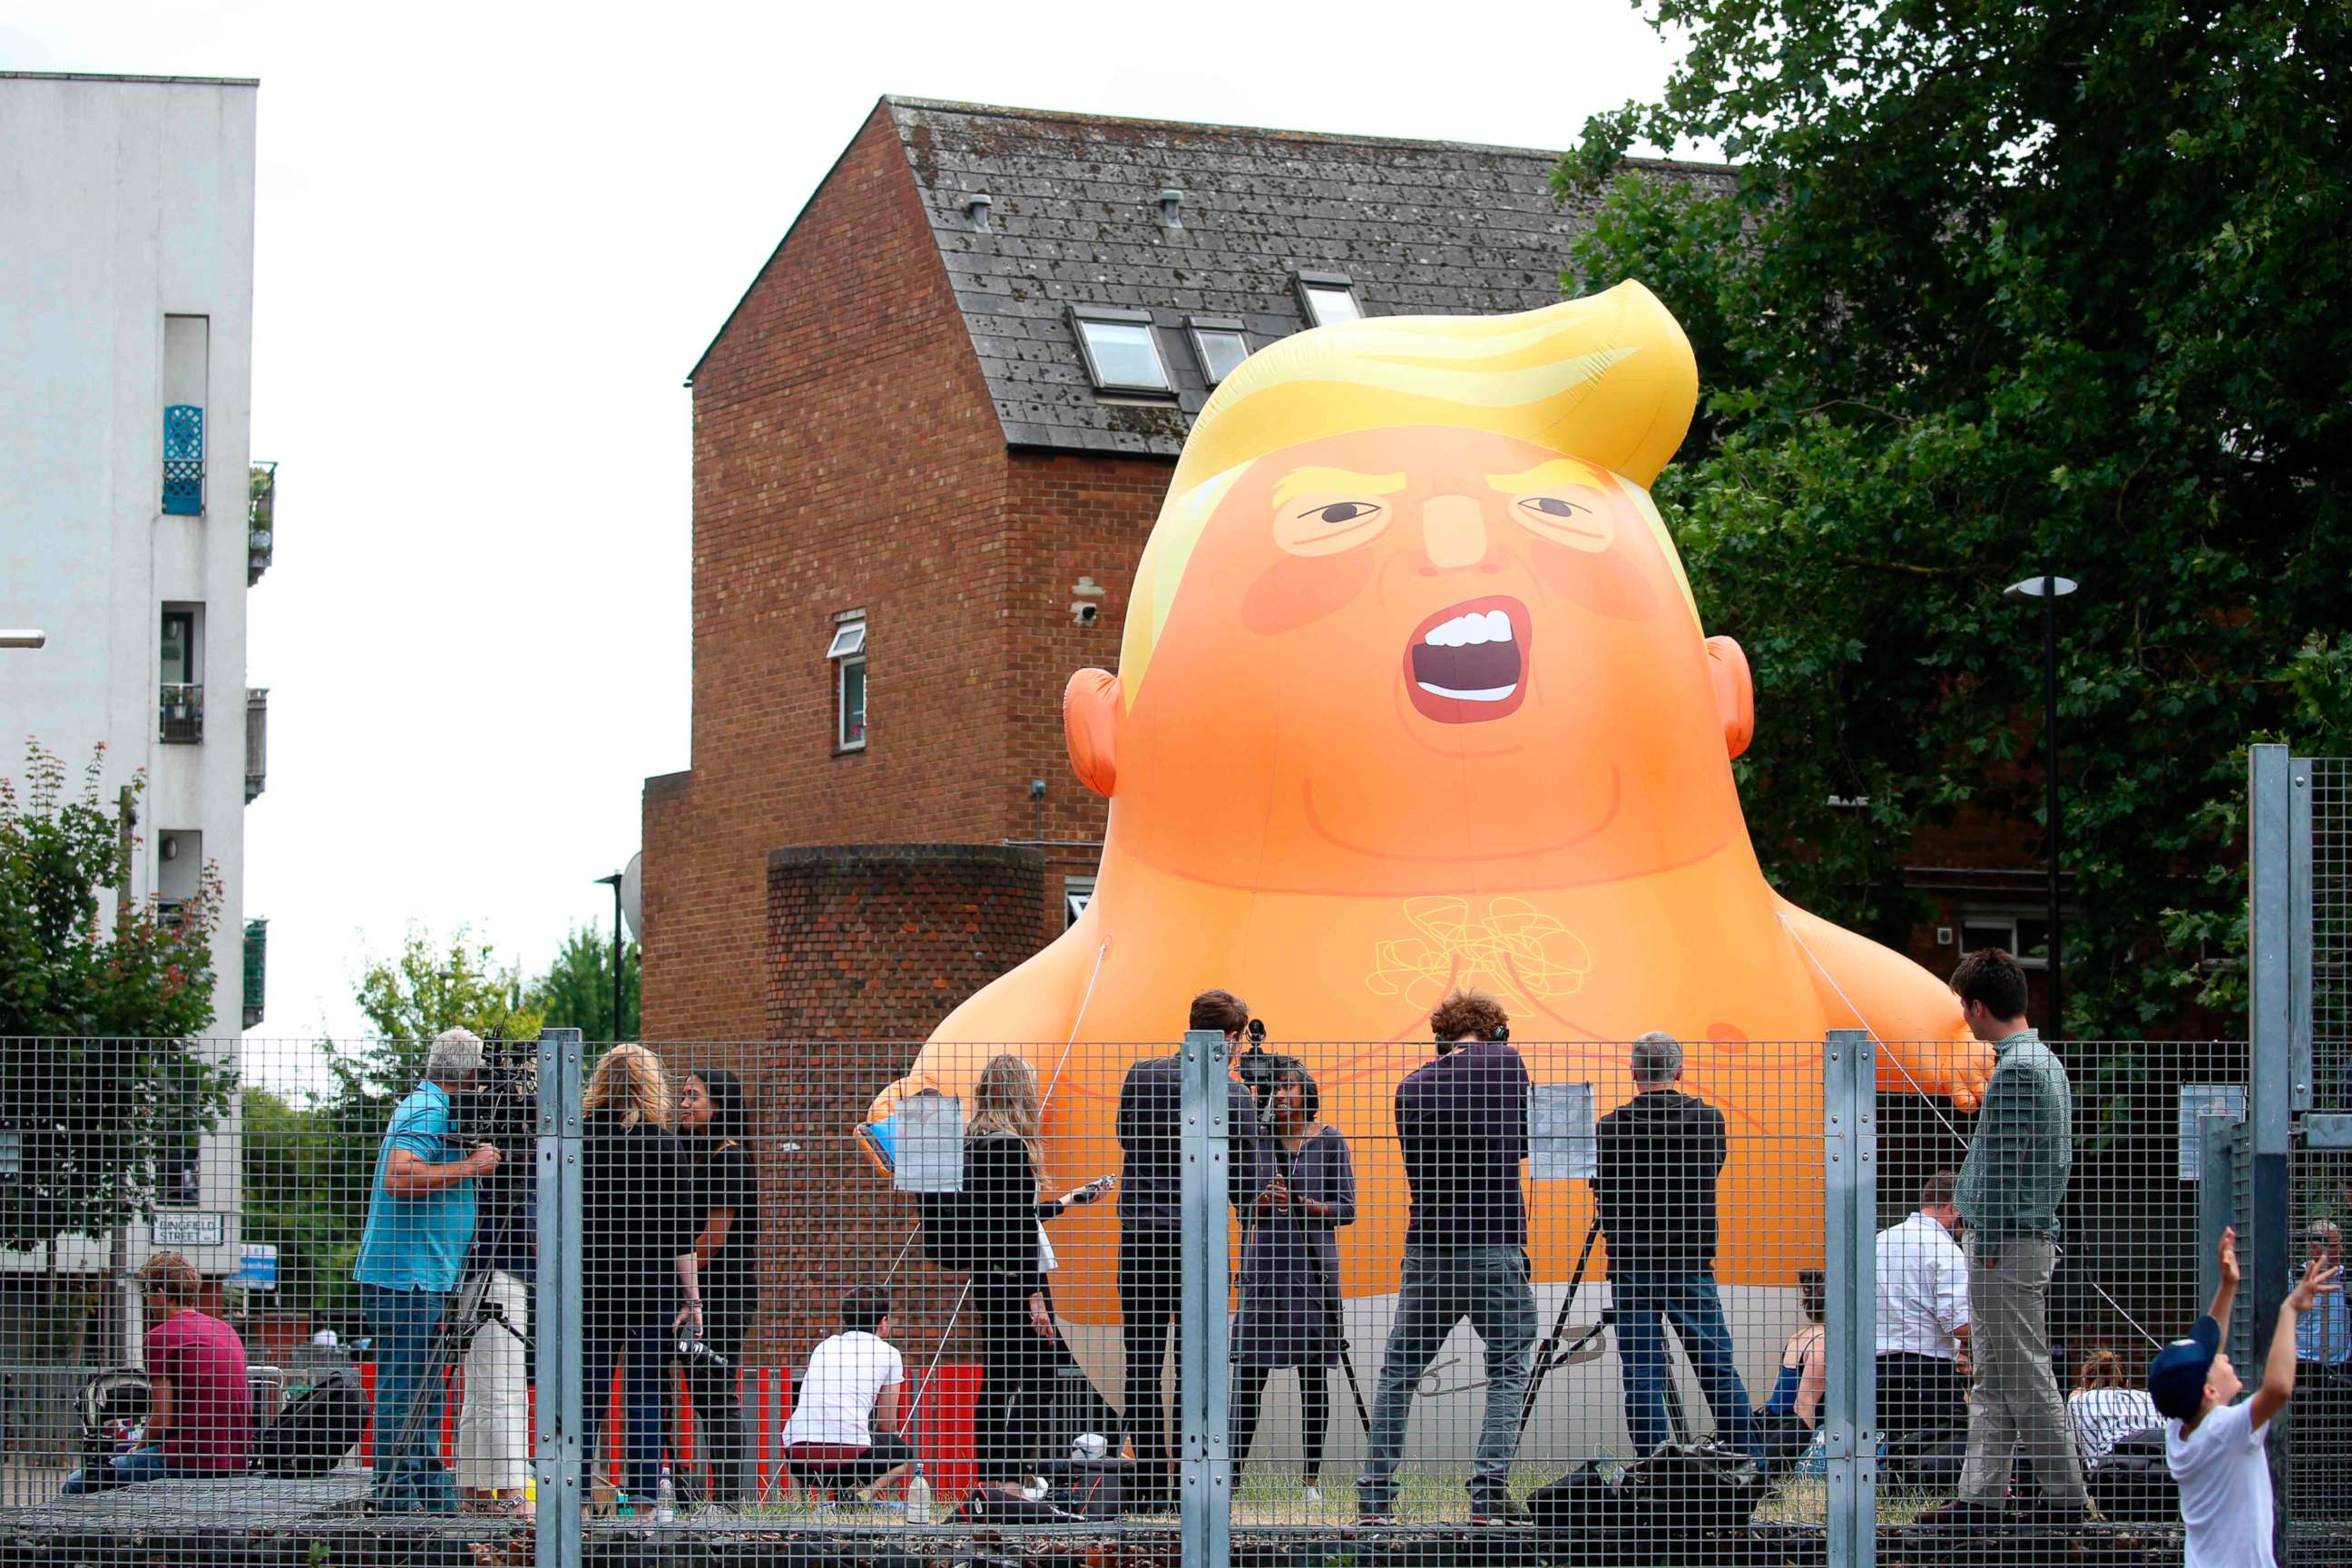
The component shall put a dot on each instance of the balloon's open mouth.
(1467, 663)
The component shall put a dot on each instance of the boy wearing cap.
(2214, 1449)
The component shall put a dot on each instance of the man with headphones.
(1462, 1128)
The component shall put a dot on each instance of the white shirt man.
(1922, 1288)
(1922, 1323)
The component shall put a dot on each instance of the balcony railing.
(181, 707)
(183, 460)
(257, 742)
(260, 521)
(257, 965)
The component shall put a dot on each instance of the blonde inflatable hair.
(630, 1079)
(1607, 379)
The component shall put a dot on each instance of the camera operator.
(1462, 1127)
(1150, 1224)
(420, 1220)
(1656, 1161)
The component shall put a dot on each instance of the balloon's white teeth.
(1485, 694)
(1472, 629)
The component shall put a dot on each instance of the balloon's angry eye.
(1346, 510)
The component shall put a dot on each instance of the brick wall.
(869, 947)
(846, 457)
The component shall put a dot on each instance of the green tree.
(307, 1175)
(430, 985)
(99, 1080)
(1995, 290)
(576, 992)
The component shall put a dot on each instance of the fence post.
(1202, 1375)
(2272, 1071)
(556, 1450)
(1850, 1200)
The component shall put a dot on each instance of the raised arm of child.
(2225, 1294)
(2278, 1372)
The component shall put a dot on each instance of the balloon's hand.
(1960, 1068)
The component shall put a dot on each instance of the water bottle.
(665, 1499)
(918, 1497)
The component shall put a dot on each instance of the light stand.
(2050, 588)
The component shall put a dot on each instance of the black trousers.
(1314, 1415)
(719, 1441)
(1016, 1377)
(1150, 1289)
(1920, 1399)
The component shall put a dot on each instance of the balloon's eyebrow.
(1554, 475)
(1334, 481)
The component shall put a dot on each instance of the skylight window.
(1122, 351)
(1219, 344)
(1327, 298)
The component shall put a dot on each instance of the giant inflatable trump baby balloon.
(1414, 694)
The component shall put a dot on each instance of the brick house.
(929, 443)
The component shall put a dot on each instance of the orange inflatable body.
(1414, 694)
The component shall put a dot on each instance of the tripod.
(1553, 1353)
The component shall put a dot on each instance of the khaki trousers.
(2016, 1410)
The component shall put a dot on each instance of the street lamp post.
(614, 881)
(2050, 588)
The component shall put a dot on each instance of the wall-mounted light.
(171, 846)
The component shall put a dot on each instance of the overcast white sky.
(492, 241)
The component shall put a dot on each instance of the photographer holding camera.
(1462, 1127)
(420, 1221)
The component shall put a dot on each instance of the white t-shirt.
(846, 1375)
(2225, 1489)
(1922, 1290)
(2105, 1416)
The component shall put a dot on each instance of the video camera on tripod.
(502, 1109)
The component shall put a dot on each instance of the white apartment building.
(131, 523)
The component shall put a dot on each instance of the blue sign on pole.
(256, 1266)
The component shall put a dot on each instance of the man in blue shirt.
(2323, 1334)
(420, 1220)
(1462, 1128)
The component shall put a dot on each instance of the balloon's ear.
(1090, 715)
(1734, 693)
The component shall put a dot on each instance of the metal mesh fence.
(2331, 931)
(1502, 1285)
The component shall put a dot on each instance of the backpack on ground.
(315, 1430)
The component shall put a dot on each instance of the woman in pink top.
(200, 1412)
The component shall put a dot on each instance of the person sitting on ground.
(1923, 1331)
(843, 1430)
(1785, 1421)
(2213, 1448)
(200, 1410)
(2104, 1409)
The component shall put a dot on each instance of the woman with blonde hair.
(639, 1230)
(1003, 1159)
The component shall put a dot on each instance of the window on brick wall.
(2023, 935)
(1122, 351)
(1077, 893)
(1220, 344)
(848, 652)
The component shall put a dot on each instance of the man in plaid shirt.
(2010, 1190)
